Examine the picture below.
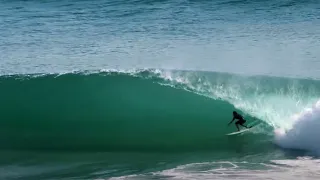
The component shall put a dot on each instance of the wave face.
(145, 110)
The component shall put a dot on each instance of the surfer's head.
(234, 112)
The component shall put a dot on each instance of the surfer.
(240, 121)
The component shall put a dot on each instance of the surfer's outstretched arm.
(231, 121)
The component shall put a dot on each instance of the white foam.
(279, 169)
(305, 131)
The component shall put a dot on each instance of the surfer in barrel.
(240, 121)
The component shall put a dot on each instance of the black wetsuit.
(241, 121)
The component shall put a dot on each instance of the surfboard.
(239, 132)
(252, 124)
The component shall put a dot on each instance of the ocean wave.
(144, 110)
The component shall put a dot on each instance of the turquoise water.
(145, 89)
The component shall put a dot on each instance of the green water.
(106, 112)
(105, 165)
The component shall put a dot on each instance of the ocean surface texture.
(145, 89)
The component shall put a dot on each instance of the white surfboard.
(252, 124)
(239, 132)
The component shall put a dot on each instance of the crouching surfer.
(240, 121)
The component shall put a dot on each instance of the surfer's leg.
(242, 123)
(237, 125)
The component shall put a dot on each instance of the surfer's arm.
(232, 120)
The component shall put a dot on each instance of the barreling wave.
(144, 110)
